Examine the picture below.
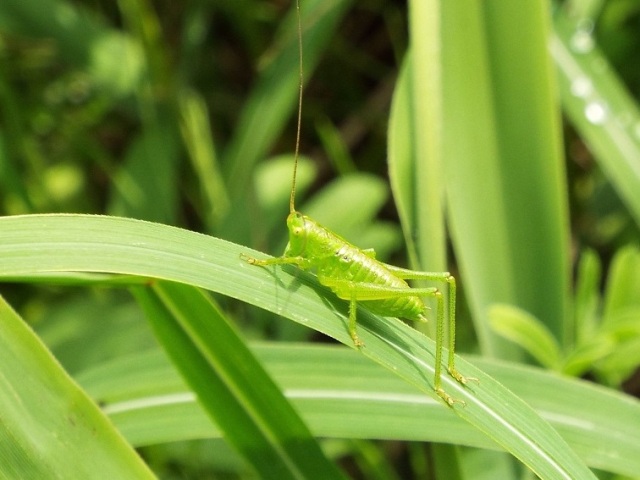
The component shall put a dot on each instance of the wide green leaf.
(338, 391)
(62, 243)
(49, 428)
(492, 124)
(232, 385)
(527, 331)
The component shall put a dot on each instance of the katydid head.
(297, 234)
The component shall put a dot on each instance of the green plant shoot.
(355, 275)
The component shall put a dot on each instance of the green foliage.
(231, 385)
(606, 339)
(182, 113)
(50, 427)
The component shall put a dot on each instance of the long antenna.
(296, 155)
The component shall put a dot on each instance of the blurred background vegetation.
(183, 113)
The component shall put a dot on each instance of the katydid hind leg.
(408, 274)
(444, 277)
(359, 291)
(354, 292)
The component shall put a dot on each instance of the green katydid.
(355, 275)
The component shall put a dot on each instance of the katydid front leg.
(301, 262)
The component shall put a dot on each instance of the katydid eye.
(297, 231)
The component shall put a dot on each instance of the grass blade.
(231, 384)
(599, 107)
(338, 391)
(48, 424)
(46, 243)
(503, 169)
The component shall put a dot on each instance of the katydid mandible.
(355, 275)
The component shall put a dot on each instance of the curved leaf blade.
(48, 425)
(55, 243)
(337, 391)
(231, 384)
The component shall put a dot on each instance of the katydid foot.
(461, 379)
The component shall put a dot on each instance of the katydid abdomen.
(352, 266)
